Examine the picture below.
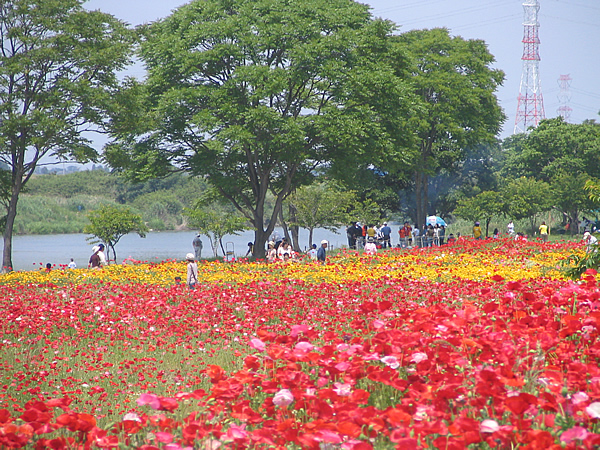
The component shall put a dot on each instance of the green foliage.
(576, 265)
(485, 206)
(526, 198)
(562, 154)
(39, 214)
(592, 187)
(93, 183)
(367, 212)
(57, 69)
(321, 205)
(214, 221)
(109, 224)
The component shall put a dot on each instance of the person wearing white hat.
(591, 242)
(322, 252)
(192, 271)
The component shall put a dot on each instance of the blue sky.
(569, 34)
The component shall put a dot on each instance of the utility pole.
(530, 108)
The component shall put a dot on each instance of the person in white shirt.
(285, 249)
(370, 247)
(591, 242)
(72, 264)
(510, 228)
(312, 253)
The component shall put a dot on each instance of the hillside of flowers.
(482, 344)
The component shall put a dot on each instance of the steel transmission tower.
(530, 108)
(564, 97)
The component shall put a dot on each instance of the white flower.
(593, 410)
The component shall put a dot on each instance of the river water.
(33, 251)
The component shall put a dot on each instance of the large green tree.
(254, 95)
(456, 85)
(57, 63)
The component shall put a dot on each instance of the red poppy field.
(474, 346)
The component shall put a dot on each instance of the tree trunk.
(294, 229)
(11, 214)
(286, 231)
(487, 227)
(310, 237)
(421, 181)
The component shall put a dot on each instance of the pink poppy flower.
(489, 426)
(257, 344)
(575, 433)
(283, 398)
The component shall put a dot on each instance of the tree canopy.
(456, 85)
(254, 95)
(57, 68)
(563, 154)
(110, 223)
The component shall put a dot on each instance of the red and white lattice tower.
(564, 97)
(530, 109)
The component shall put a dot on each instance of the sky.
(569, 34)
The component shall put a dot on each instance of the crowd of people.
(372, 237)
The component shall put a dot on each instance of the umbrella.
(436, 220)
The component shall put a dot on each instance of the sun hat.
(323, 242)
(190, 256)
(586, 234)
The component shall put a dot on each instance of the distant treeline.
(55, 204)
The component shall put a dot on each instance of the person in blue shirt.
(322, 252)
(386, 231)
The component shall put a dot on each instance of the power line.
(481, 7)
(571, 20)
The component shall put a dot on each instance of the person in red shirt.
(405, 235)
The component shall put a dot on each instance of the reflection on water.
(32, 252)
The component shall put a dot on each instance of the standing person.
(510, 228)
(386, 232)
(354, 232)
(544, 232)
(250, 249)
(312, 253)
(591, 242)
(430, 233)
(496, 234)
(322, 252)
(442, 234)
(72, 264)
(370, 233)
(192, 271)
(477, 234)
(271, 252)
(415, 234)
(95, 261)
(102, 255)
(197, 244)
